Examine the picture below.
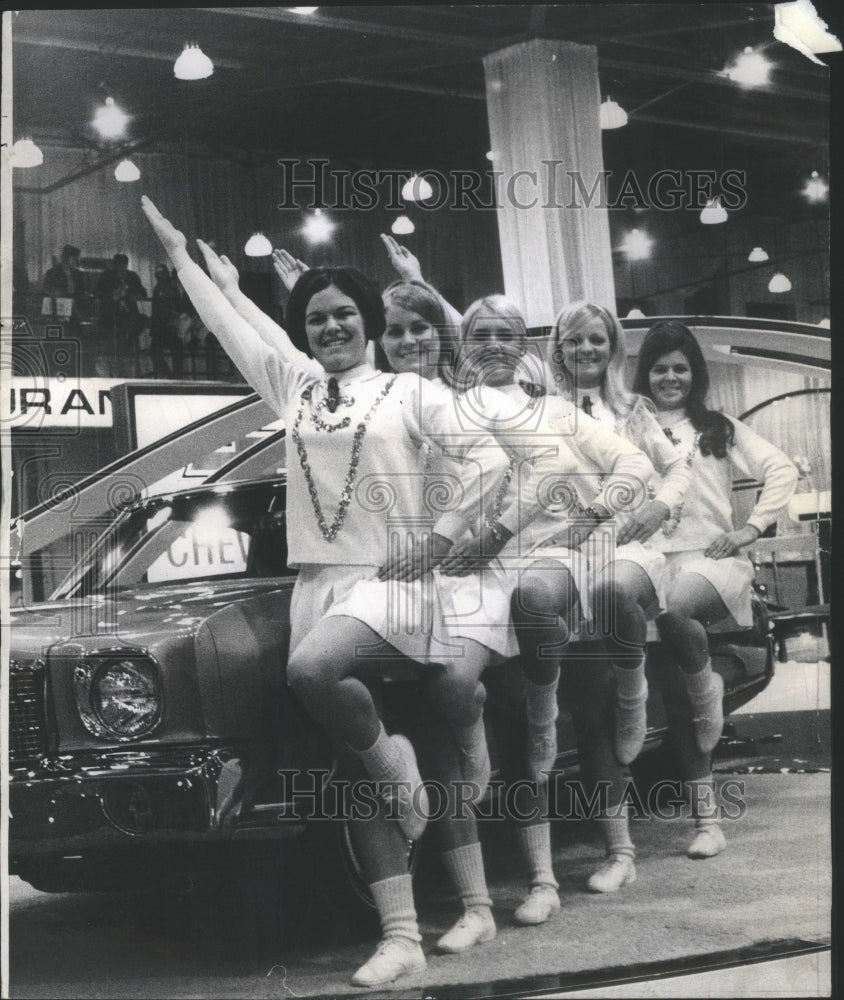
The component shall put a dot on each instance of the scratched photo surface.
(456, 625)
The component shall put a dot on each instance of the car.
(150, 718)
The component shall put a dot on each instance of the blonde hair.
(614, 393)
(498, 306)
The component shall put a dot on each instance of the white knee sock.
(465, 866)
(394, 902)
(535, 844)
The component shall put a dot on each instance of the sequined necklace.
(329, 533)
(670, 525)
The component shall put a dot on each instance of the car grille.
(27, 723)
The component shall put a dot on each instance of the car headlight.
(119, 697)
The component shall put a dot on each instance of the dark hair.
(120, 258)
(716, 431)
(350, 282)
(69, 250)
(423, 299)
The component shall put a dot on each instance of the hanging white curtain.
(543, 101)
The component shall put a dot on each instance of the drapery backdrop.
(226, 202)
(543, 103)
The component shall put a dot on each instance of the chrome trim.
(84, 677)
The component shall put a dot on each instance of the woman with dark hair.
(360, 440)
(707, 576)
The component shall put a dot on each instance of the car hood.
(134, 615)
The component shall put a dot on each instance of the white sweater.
(707, 511)
(400, 414)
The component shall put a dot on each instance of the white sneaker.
(394, 957)
(409, 793)
(541, 751)
(708, 717)
(540, 903)
(616, 871)
(475, 927)
(631, 726)
(709, 841)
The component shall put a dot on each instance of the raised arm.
(225, 277)
(268, 374)
(407, 266)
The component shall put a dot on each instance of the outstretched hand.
(405, 263)
(289, 268)
(171, 239)
(223, 272)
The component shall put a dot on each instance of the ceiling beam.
(361, 27)
(120, 50)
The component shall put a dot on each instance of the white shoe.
(409, 793)
(616, 871)
(541, 751)
(394, 957)
(708, 717)
(631, 726)
(475, 927)
(709, 841)
(540, 903)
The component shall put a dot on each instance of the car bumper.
(81, 802)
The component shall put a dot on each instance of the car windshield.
(203, 535)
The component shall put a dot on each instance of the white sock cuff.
(616, 832)
(535, 844)
(541, 701)
(465, 866)
(396, 911)
(630, 681)
(699, 684)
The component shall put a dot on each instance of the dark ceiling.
(403, 86)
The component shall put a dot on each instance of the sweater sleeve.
(628, 469)
(474, 460)
(753, 456)
(273, 335)
(269, 375)
(667, 459)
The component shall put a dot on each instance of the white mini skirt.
(731, 577)
(425, 620)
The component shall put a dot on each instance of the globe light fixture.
(713, 213)
(779, 283)
(318, 228)
(637, 245)
(816, 188)
(192, 64)
(635, 313)
(26, 154)
(402, 226)
(757, 255)
(127, 172)
(416, 189)
(750, 69)
(258, 246)
(612, 115)
(110, 120)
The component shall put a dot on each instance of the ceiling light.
(713, 213)
(492, 156)
(757, 255)
(258, 246)
(416, 189)
(750, 69)
(110, 120)
(318, 228)
(824, 322)
(402, 226)
(612, 115)
(304, 10)
(635, 314)
(26, 154)
(637, 245)
(192, 64)
(816, 188)
(779, 283)
(127, 171)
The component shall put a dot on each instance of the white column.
(543, 103)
